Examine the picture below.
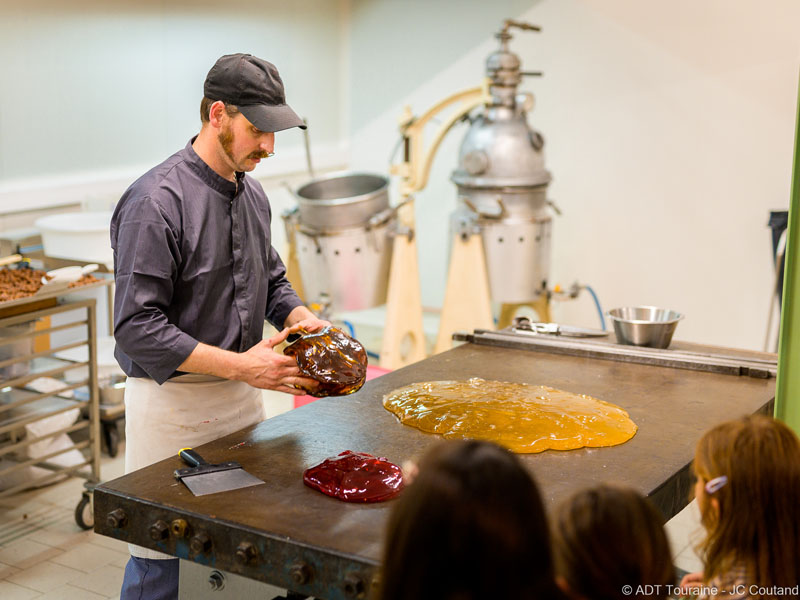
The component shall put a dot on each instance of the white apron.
(184, 412)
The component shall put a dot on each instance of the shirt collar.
(209, 176)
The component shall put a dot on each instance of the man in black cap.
(196, 276)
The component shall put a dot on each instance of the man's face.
(243, 144)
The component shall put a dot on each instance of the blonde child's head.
(748, 492)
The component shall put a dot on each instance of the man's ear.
(217, 114)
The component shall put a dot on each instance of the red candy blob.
(356, 477)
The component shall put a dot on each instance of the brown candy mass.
(334, 359)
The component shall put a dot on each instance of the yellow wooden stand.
(292, 262)
(467, 301)
(541, 305)
(403, 337)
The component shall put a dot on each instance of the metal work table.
(286, 534)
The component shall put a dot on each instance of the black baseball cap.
(255, 88)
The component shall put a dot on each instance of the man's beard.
(225, 138)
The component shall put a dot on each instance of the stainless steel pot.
(350, 267)
(342, 230)
(342, 200)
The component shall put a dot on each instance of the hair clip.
(714, 485)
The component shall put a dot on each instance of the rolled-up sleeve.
(146, 258)
(281, 297)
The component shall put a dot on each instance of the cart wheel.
(111, 436)
(83, 512)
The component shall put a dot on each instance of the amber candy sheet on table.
(524, 418)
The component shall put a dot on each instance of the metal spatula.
(203, 478)
(59, 279)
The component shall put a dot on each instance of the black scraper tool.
(203, 478)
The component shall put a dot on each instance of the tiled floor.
(46, 556)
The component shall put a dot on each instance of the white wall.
(671, 137)
(669, 131)
(94, 92)
(669, 126)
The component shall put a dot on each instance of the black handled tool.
(204, 478)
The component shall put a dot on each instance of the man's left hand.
(303, 319)
(309, 325)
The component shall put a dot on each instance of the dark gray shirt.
(193, 262)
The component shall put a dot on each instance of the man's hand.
(308, 325)
(303, 319)
(263, 367)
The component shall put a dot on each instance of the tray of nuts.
(23, 289)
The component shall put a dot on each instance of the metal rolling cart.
(40, 392)
(112, 387)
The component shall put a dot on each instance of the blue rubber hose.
(597, 305)
(350, 329)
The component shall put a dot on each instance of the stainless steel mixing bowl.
(112, 389)
(644, 325)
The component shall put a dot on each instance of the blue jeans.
(150, 579)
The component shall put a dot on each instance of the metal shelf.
(26, 405)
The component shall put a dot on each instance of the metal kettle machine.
(349, 249)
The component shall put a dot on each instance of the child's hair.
(751, 518)
(609, 537)
(470, 526)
